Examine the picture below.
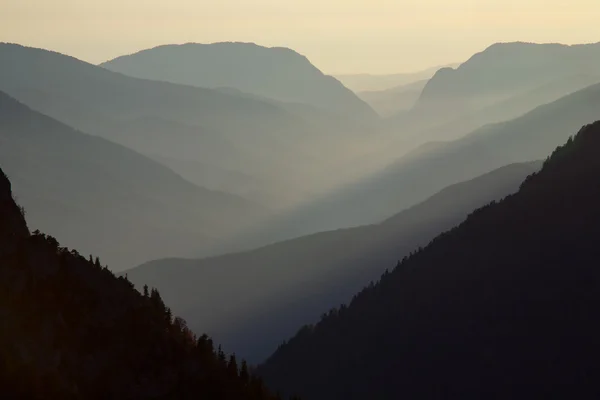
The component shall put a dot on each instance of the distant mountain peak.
(504, 70)
(278, 73)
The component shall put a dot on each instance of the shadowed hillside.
(69, 329)
(298, 279)
(503, 306)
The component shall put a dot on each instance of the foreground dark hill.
(106, 199)
(277, 73)
(214, 139)
(69, 329)
(502, 71)
(295, 281)
(503, 306)
(429, 169)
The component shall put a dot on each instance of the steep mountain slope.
(418, 175)
(295, 281)
(69, 329)
(107, 199)
(278, 73)
(503, 306)
(504, 70)
(397, 99)
(183, 124)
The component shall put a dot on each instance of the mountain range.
(215, 139)
(277, 73)
(502, 82)
(296, 280)
(502, 71)
(434, 166)
(255, 194)
(502, 306)
(103, 198)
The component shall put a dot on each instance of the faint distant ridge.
(390, 102)
(504, 70)
(212, 138)
(139, 209)
(378, 82)
(528, 137)
(278, 73)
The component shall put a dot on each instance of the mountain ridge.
(503, 70)
(226, 64)
(224, 131)
(303, 276)
(528, 137)
(502, 306)
(70, 329)
(68, 180)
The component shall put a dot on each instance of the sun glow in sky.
(338, 36)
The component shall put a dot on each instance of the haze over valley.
(313, 200)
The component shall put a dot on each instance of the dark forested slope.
(69, 329)
(503, 306)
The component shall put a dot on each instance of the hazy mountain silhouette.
(502, 71)
(503, 82)
(372, 82)
(400, 98)
(277, 72)
(71, 330)
(508, 109)
(298, 279)
(107, 199)
(184, 124)
(416, 176)
(503, 306)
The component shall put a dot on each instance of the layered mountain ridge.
(278, 73)
(502, 306)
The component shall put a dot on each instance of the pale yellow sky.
(338, 36)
